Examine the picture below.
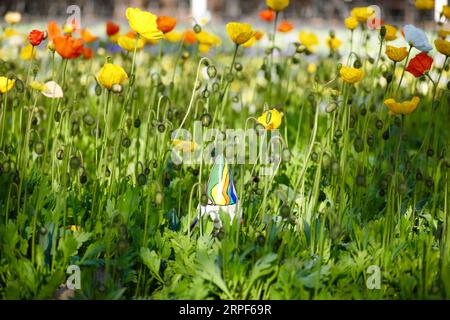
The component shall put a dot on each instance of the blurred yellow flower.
(74, 228)
(404, 108)
(309, 40)
(114, 38)
(174, 36)
(111, 74)
(446, 11)
(351, 75)
(396, 54)
(312, 68)
(250, 42)
(391, 33)
(28, 52)
(127, 43)
(351, 23)
(206, 40)
(10, 32)
(443, 33)
(13, 17)
(144, 23)
(333, 43)
(240, 33)
(39, 86)
(442, 46)
(362, 13)
(425, 4)
(184, 145)
(68, 28)
(6, 84)
(277, 5)
(271, 119)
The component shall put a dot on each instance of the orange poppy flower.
(111, 28)
(131, 34)
(87, 36)
(285, 26)
(267, 15)
(53, 30)
(166, 24)
(189, 37)
(88, 53)
(35, 37)
(258, 35)
(68, 47)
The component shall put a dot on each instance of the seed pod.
(370, 140)
(126, 142)
(238, 66)
(141, 179)
(314, 156)
(98, 90)
(206, 119)
(159, 197)
(204, 199)
(358, 144)
(286, 155)
(379, 124)
(357, 64)
(285, 211)
(211, 71)
(335, 168)
(338, 134)
(83, 178)
(39, 148)
(88, 119)
(161, 127)
(60, 154)
(386, 135)
(331, 107)
(137, 122)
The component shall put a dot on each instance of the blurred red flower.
(267, 15)
(111, 28)
(420, 64)
(88, 53)
(166, 24)
(285, 26)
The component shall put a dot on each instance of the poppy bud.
(159, 197)
(34, 121)
(331, 107)
(419, 176)
(117, 88)
(204, 199)
(238, 66)
(137, 122)
(260, 240)
(161, 127)
(386, 135)
(126, 142)
(88, 119)
(197, 28)
(361, 180)
(141, 179)
(357, 64)
(285, 211)
(83, 178)
(39, 148)
(205, 94)
(74, 163)
(335, 168)
(430, 152)
(370, 140)
(338, 133)
(211, 71)
(382, 32)
(206, 120)
(60, 154)
(379, 124)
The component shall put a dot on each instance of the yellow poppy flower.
(114, 38)
(174, 36)
(277, 5)
(271, 119)
(442, 46)
(74, 228)
(404, 108)
(249, 43)
(127, 43)
(351, 75)
(13, 17)
(446, 11)
(309, 40)
(391, 33)
(10, 32)
(111, 74)
(362, 13)
(39, 86)
(206, 41)
(68, 28)
(351, 23)
(424, 4)
(28, 52)
(396, 54)
(333, 43)
(240, 33)
(6, 84)
(144, 23)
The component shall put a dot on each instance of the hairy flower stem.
(404, 69)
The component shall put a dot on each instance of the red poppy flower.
(285, 26)
(420, 64)
(35, 37)
(68, 47)
(111, 28)
(166, 24)
(88, 53)
(267, 15)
